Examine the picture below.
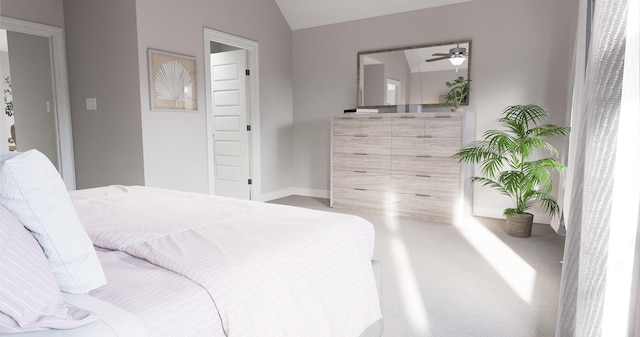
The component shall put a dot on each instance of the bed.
(185, 264)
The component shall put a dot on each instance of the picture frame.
(172, 81)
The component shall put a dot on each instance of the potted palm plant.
(506, 163)
(458, 92)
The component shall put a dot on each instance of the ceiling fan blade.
(437, 58)
(440, 54)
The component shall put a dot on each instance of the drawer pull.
(360, 189)
(423, 195)
(423, 176)
(442, 117)
(375, 117)
(407, 116)
(360, 136)
(360, 154)
(360, 171)
(424, 156)
(425, 136)
(345, 118)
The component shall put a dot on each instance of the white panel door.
(230, 134)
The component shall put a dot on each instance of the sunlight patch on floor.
(514, 270)
(409, 289)
(391, 221)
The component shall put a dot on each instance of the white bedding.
(165, 303)
(140, 300)
(112, 322)
(270, 270)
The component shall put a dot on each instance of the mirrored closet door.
(35, 93)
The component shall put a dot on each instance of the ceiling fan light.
(457, 60)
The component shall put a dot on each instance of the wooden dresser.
(398, 163)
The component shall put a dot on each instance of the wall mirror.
(411, 76)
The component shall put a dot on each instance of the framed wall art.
(172, 81)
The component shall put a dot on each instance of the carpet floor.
(468, 280)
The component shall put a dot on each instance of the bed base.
(376, 329)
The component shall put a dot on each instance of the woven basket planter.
(519, 225)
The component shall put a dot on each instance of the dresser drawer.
(362, 180)
(374, 126)
(358, 199)
(408, 126)
(429, 126)
(347, 127)
(425, 185)
(430, 166)
(444, 127)
(362, 145)
(436, 209)
(420, 146)
(363, 161)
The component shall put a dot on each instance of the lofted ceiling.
(312, 13)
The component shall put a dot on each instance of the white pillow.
(29, 296)
(32, 189)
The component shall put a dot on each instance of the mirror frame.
(364, 53)
(60, 88)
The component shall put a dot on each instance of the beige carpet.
(457, 281)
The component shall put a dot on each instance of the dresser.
(398, 163)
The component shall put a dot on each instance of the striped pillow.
(30, 299)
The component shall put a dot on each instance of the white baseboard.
(306, 192)
(538, 217)
(277, 194)
(311, 192)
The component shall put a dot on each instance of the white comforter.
(270, 270)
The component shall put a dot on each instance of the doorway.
(233, 130)
(55, 98)
(394, 88)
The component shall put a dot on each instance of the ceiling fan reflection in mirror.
(456, 56)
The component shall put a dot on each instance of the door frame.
(60, 90)
(253, 106)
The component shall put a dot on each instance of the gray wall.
(102, 53)
(175, 143)
(48, 12)
(373, 78)
(107, 44)
(522, 51)
(32, 88)
(433, 84)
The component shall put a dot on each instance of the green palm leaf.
(548, 130)
(505, 161)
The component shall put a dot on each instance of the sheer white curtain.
(603, 181)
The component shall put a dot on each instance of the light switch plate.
(92, 104)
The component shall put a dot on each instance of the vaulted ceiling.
(312, 13)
